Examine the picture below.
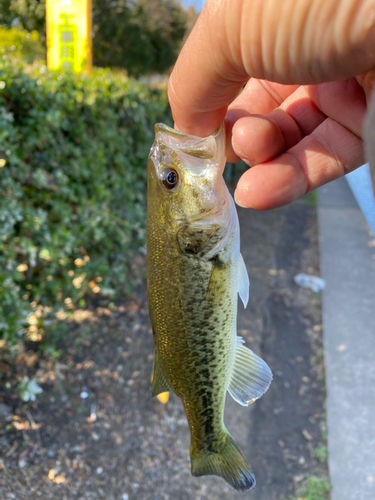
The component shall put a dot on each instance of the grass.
(315, 488)
(321, 452)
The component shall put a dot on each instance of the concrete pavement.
(348, 265)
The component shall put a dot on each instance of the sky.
(197, 3)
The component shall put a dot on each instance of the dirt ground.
(95, 432)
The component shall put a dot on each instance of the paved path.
(348, 266)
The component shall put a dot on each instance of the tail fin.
(227, 461)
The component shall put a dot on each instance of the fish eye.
(169, 178)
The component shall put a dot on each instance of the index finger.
(259, 97)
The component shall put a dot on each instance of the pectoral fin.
(160, 386)
(243, 281)
(251, 376)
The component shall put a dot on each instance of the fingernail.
(238, 201)
(244, 157)
(236, 149)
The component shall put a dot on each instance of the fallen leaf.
(307, 435)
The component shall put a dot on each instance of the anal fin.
(160, 386)
(251, 376)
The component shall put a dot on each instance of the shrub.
(15, 43)
(73, 153)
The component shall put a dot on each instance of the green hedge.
(15, 43)
(73, 152)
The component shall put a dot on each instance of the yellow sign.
(69, 35)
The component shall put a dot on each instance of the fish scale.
(212, 354)
(194, 274)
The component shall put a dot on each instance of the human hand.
(307, 67)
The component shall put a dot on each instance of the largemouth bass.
(195, 271)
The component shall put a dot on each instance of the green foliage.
(316, 488)
(18, 44)
(141, 36)
(311, 198)
(321, 452)
(25, 14)
(73, 153)
(6, 16)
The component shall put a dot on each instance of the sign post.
(69, 40)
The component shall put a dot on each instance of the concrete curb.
(348, 267)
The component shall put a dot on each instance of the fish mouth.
(162, 127)
(192, 145)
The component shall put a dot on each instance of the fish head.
(187, 190)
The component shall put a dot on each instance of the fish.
(194, 274)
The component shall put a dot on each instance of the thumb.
(290, 42)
